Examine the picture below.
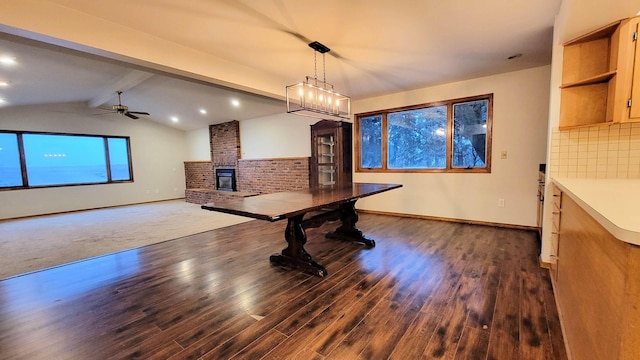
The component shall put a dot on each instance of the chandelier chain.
(315, 66)
(324, 70)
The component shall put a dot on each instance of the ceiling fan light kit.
(124, 110)
(317, 98)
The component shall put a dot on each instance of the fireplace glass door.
(226, 179)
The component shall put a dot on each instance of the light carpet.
(36, 243)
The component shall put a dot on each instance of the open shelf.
(598, 77)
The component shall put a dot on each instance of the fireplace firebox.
(226, 179)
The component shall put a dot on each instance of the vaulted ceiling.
(250, 50)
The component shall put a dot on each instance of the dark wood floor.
(429, 289)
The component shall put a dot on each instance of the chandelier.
(317, 98)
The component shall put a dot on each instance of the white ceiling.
(377, 47)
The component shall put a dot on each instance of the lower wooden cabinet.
(556, 216)
(597, 288)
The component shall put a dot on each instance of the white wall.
(521, 103)
(270, 137)
(198, 145)
(157, 154)
(278, 136)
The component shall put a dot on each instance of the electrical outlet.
(500, 202)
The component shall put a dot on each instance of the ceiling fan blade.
(138, 112)
(128, 114)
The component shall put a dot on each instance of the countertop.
(614, 203)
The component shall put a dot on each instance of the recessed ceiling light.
(4, 83)
(203, 111)
(7, 60)
(235, 102)
(2, 101)
(175, 119)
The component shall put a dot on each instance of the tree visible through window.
(417, 138)
(470, 134)
(371, 141)
(43, 159)
(451, 135)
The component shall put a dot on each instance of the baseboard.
(437, 218)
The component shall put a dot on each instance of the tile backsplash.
(596, 152)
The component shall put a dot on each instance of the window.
(371, 140)
(10, 170)
(119, 159)
(448, 136)
(42, 159)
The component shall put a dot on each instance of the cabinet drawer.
(555, 244)
(555, 219)
(554, 255)
(557, 199)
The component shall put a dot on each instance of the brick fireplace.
(253, 176)
(224, 142)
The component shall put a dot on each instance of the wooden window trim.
(449, 169)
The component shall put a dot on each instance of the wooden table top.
(283, 205)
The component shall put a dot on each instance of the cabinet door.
(591, 286)
(330, 153)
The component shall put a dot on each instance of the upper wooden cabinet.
(330, 153)
(599, 72)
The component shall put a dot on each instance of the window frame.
(449, 149)
(105, 140)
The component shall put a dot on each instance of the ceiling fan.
(124, 110)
